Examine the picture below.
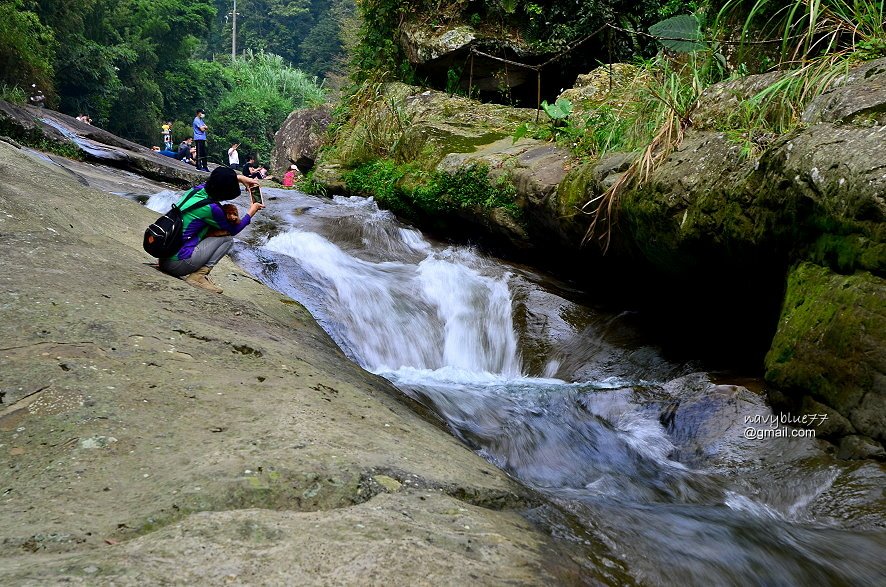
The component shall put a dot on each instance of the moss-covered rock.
(593, 88)
(426, 133)
(831, 345)
(408, 124)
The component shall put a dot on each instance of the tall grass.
(266, 73)
(12, 93)
(379, 126)
(819, 41)
(655, 111)
(814, 28)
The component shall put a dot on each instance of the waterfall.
(440, 312)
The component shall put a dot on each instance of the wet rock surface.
(722, 228)
(153, 432)
(40, 126)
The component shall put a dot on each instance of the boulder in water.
(300, 137)
(831, 345)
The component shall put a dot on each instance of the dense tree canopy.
(131, 63)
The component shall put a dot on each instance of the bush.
(265, 91)
(251, 116)
(409, 192)
(28, 48)
(195, 84)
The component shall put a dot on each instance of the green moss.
(576, 189)
(846, 245)
(845, 253)
(649, 222)
(831, 330)
(381, 179)
(409, 191)
(462, 143)
(310, 185)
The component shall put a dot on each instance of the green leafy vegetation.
(131, 64)
(410, 192)
(13, 94)
(28, 47)
(558, 111)
(310, 185)
(263, 92)
(307, 34)
(819, 42)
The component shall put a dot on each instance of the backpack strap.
(196, 204)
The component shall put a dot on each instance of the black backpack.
(163, 238)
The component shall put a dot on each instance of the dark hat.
(200, 111)
(222, 184)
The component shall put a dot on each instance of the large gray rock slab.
(299, 139)
(153, 432)
(41, 126)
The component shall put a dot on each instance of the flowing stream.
(644, 462)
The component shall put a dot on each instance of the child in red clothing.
(289, 176)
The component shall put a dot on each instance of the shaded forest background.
(130, 64)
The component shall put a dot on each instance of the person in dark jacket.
(184, 150)
(199, 253)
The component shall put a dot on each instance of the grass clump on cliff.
(406, 190)
(819, 40)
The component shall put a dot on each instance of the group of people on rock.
(192, 150)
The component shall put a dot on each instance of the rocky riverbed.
(785, 246)
(152, 432)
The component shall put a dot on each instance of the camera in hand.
(255, 194)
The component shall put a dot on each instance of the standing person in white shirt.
(234, 157)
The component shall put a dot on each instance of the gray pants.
(208, 252)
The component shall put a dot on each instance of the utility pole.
(234, 33)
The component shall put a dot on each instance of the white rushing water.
(440, 313)
(495, 355)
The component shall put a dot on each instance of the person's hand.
(255, 208)
(248, 182)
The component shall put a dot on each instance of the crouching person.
(199, 252)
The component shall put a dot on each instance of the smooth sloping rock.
(218, 404)
(35, 126)
(422, 539)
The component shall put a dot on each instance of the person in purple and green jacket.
(199, 253)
